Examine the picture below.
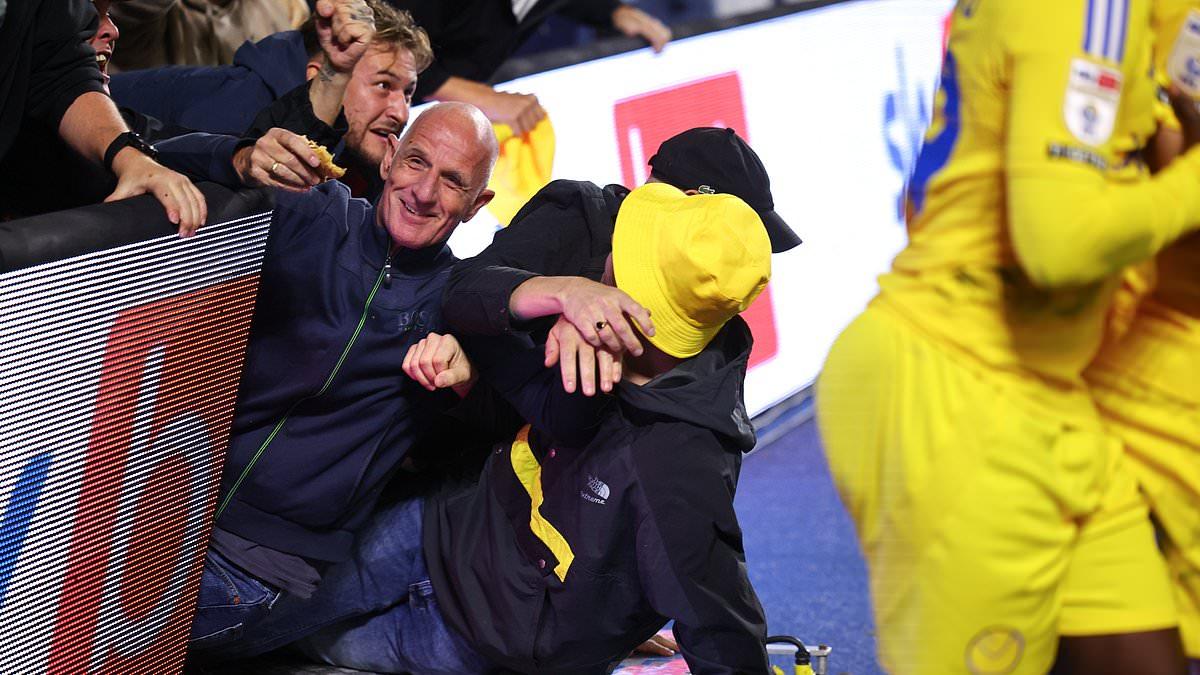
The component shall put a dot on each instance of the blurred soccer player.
(1147, 386)
(1001, 526)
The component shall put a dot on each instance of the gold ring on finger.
(274, 166)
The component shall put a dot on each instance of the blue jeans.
(408, 636)
(230, 603)
(376, 611)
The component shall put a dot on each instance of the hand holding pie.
(327, 168)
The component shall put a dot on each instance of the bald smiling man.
(325, 413)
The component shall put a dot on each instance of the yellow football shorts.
(990, 526)
(1148, 391)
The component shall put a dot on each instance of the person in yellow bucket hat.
(675, 256)
(602, 518)
(558, 243)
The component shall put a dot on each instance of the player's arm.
(1178, 124)
(1070, 224)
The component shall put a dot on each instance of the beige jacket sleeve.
(196, 32)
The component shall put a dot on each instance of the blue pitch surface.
(802, 552)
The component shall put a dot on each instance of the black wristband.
(129, 139)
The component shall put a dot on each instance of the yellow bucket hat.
(693, 261)
(523, 167)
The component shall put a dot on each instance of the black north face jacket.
(577, 546)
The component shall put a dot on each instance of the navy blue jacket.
(217, 99)
(351, 414)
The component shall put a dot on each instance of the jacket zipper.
(385, 277)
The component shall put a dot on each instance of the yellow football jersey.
(1029, 195)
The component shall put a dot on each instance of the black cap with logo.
(716, 160)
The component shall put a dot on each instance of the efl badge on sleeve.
(1092, 101)
(1184, 63)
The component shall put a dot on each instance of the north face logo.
(599, 491)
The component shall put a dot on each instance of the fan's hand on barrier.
(280, 159)
(138, 174)
(633, 22)
(579, 361)
(439, 362)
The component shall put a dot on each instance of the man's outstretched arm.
(516, 373)
(92, 123)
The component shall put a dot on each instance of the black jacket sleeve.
(151, 129)
(210, 156)
(293, 111)
(513, 367)
(475, 301)
(202, 156)
(565, 230)
(690, 553)
(63, 64)
(471, 38)
(596, 13)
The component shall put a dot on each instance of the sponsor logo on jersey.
(1091, 101)
(1183, 65)
(1081, 155)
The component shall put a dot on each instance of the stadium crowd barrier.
(122, 345)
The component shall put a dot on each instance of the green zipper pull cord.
(362, 320)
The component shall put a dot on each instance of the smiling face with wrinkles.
(436, 175)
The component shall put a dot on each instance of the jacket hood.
(279, 59)
(705, 390)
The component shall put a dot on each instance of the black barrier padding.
(64, 234)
